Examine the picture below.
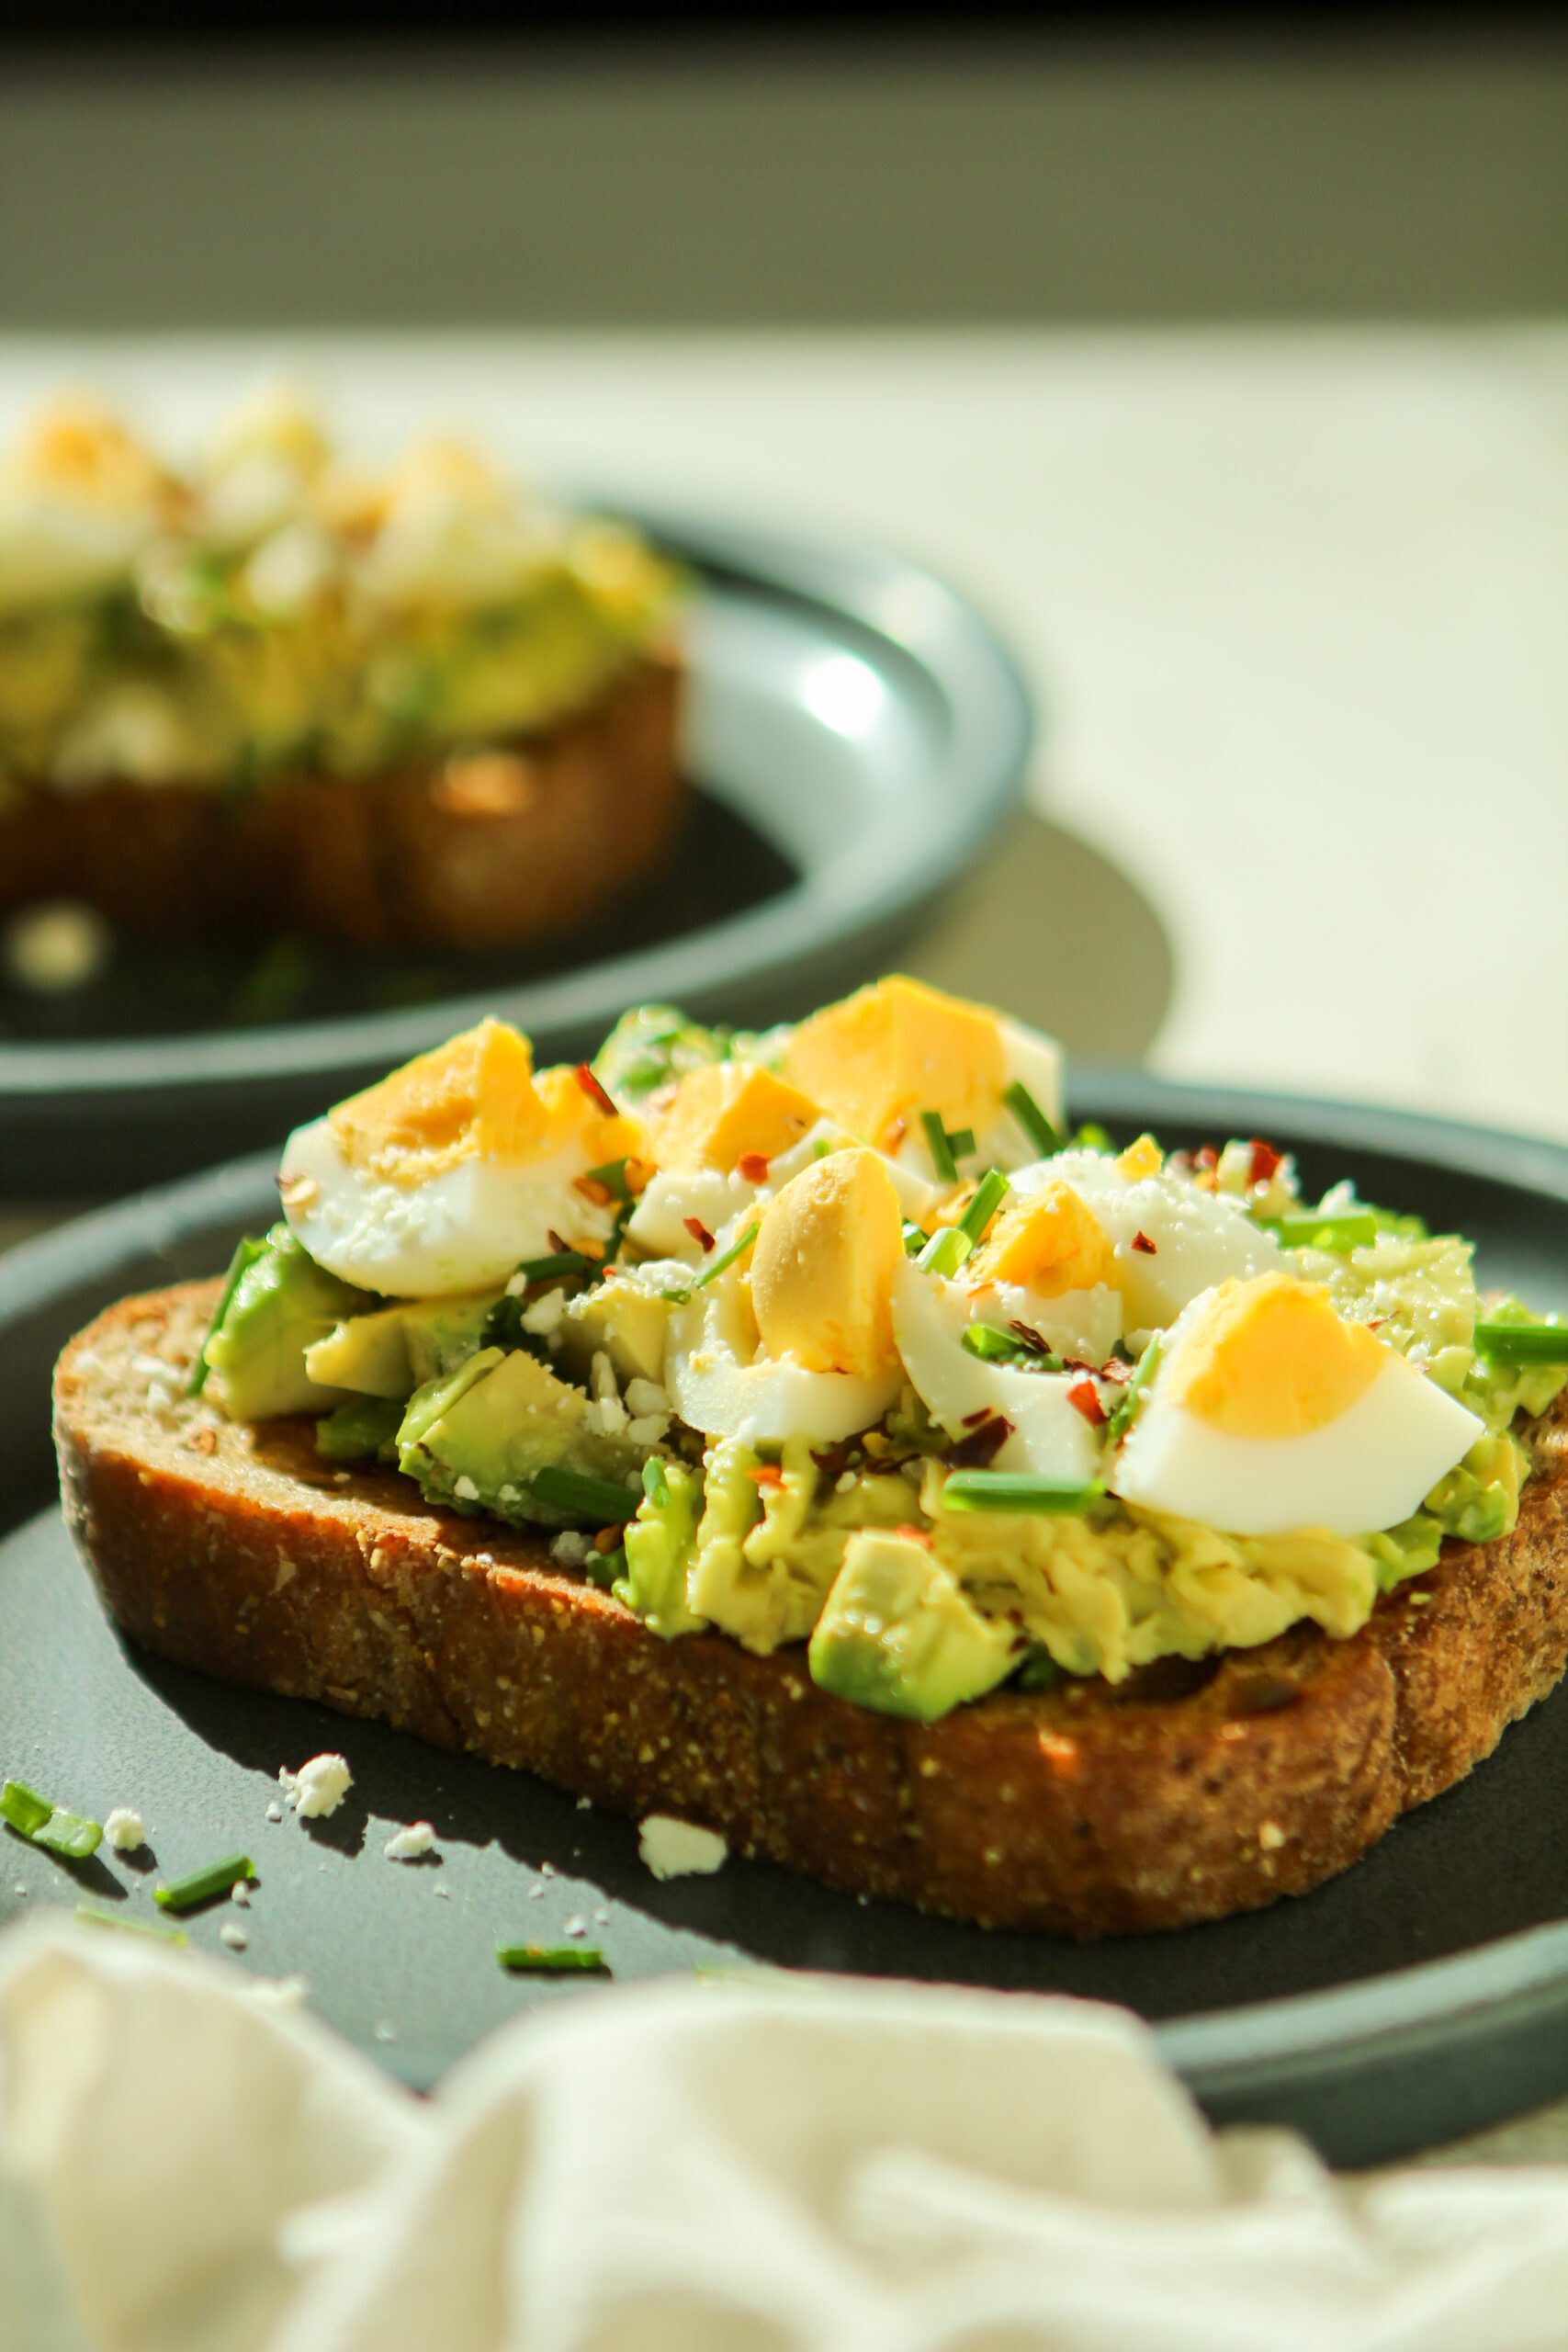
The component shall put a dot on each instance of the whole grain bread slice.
(1189, 1793)
(496, 850)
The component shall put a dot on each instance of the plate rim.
(994, 726)
(1320, 2047)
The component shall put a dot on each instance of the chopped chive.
(598, 1501)
(201, 1886)
(914, 1239)
(1523, 1343)
(1093, 1136)
(244, 1258)
(549, 1960)
(655, 1484)
(941, 1149)
(22, 1807)
(985, 1205)
(982, 1340)
(727, 1257)
(1121, 1420)
(961, 1142)
(68, 1835)
(90, 1916)
(1031, 1119)
(1348, 1230)
(945, 1251)
(559, 1262)
(606, 1568)
(613, 1176)
(1020, 1490)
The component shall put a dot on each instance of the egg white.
(723, 1385)
(1367, 1470)
(462, 1229)
(1049, 1435)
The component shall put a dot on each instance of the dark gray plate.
(855, 732)
(1423, 1994)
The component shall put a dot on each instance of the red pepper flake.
(915, 1535)
(1118, 1369)
(594, 1189)
(973, 1420)
(1264, 1161)
(1030, 1336)
(609, 1539)
(1206, 1157)
(636, 1175)
(1084, 1397)
(596, 1095)
(562, 1248)
(754, 1166)
(1061, 1754)
(1141, 1241)
(698, 1231)
(981, 1447)
(766, 1473)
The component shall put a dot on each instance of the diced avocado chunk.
(479, 1438)
(281, 1304)
(360, 1427)
(625, 1319)
(898, 1634)
(660, 1544)
(395, 1352)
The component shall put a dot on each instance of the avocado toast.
(277, 691)
(756, 1558)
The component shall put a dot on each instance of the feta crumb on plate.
(124, 1829)
(233, 1934)
(407, 1843)
(319, 1787)
(674, 1848)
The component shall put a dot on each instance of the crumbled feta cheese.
(319, 1787)
(407, 1845)
(124, 1829)
(606, 1415)
(603, 1376)
(646, 1397)
(575, 1925)
(547, 1870)
(674, 1848)
(536, 1889)
(233, 1934)
(545, 1314)
(649, 1428)
(570, 1547)
(275, 1811)
(240, 1892)
(464, 1491)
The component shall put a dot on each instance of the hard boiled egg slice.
(1049, 1434)
(448, 1173)
(1048, 1262)
(1269, 1413)
(1170, 1239)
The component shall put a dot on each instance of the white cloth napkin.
(797, 2165)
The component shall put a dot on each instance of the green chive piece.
(1522, 1342)
(551, 1959)
(655, 1484)
(727, 1257)
(961, 1142)
(914, 1239)
(612, 1175)
(22, 1807)
(244, 1258)
(945, 1251)
(982, 1340)
(606, 1568)
(1093, 1136)
(1018, 1099)
(201, 1886)
(91, 1917)
(1132, 1397)
(68, 1835)
(1021, 1490)
(1350, 1229)
(940, 1148)
(598, 1501)
(985, 1205)
(559, 1262)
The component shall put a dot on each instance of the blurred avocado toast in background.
(278, 692)
(807, 1434)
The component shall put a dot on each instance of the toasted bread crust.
(579, 812)
(1187, 1793)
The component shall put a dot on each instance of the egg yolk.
(718, 1114)
(86, 452)
(1049, 1243)
(889, 1052)
(473, 1098)
(1269, 1358)
(822, 1271)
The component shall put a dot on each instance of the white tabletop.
(1295, 604)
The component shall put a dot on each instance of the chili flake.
(600, 1101)
(1084, 1397)
(698, 1232)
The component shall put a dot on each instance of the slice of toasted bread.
(498, 850)
(1189, 1793)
